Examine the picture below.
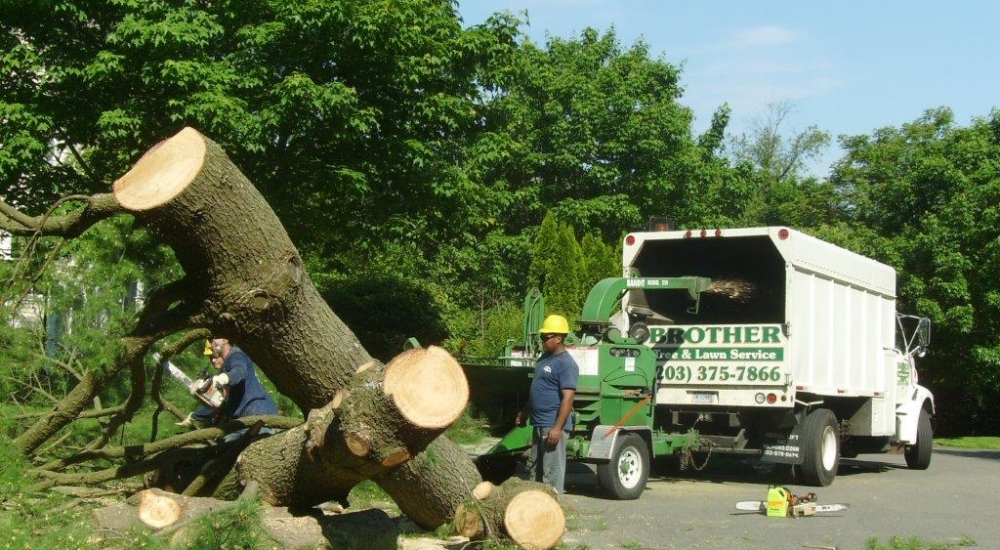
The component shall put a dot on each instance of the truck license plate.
(704, 397)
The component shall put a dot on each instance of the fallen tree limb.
(246, 281)
(170, 514)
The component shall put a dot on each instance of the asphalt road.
(954, 501)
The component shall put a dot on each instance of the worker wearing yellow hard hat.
(554, 324)
(550, 404)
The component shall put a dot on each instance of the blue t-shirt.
(553, 373)
(247, 396)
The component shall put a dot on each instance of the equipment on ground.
(761, 342)
(202, 388)
(782, 503)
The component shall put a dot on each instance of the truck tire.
(624, 476)
(820, 448)
(918, 455)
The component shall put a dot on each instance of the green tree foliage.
(384, 311)
(595, 131)
(600, 261)
(779, 157)
(546, 249)
(777, 191)
(927, 196)
(480, 335)
(372, 128)
(62, 319)
(562, 285)
(565, 269)
(347, 114)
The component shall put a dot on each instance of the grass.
(468, 429)
(914, 543)
(970, 442)
(50, 520)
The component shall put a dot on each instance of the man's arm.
(238, 369)
(565, 408)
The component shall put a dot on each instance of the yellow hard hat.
(208, 347)
(554, 324)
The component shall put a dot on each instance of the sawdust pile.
(739, 291)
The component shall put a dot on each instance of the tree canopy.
(390, 139)
(925, 198)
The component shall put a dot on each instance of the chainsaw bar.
(761, 506)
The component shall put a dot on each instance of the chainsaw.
(782, 503)
(202, 387)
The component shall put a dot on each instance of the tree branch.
(99, 207)
(204, 435)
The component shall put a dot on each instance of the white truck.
(795, 352)
(764, 342)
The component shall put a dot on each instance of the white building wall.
(6, 252)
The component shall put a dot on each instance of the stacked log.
(524, 512)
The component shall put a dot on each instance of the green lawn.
(900, 543)
(969, 442)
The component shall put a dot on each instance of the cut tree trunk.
(248, 283)
(525, 512)
(366, 431)
(172, 513)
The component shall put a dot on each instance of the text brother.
(759, 334)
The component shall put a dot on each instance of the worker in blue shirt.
(245, 395)
(550, 403)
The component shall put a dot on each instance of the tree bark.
(243, 271)
(247, 282)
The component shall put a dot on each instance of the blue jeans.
(548, 462)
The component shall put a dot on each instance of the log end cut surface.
(534, 519)
(158, 511)
(428, 387)
(162, 173)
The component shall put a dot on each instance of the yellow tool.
(777, 502)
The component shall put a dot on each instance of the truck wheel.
(820, 448)
(918, 455)
(624, 476)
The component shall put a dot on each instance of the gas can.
(777, 502)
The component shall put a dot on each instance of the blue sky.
(847, 67)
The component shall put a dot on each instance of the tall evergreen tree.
(546, 250)
(599, 261)
(562, 287)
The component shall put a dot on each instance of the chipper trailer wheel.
(820, 448)
(624, 476)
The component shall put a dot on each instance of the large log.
(292, 528)
(378, 423)
(245, 280)
(525, 512)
